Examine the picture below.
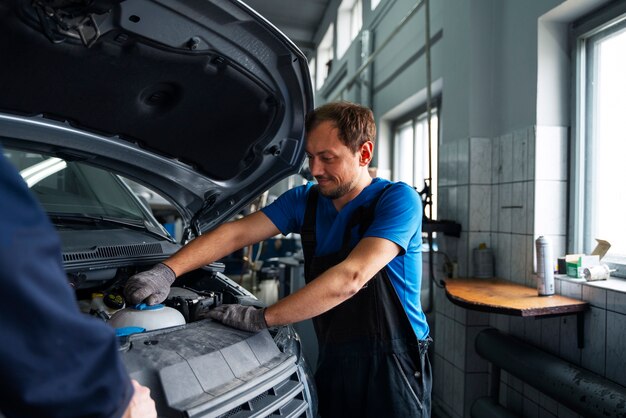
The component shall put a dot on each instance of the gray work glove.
(151, 286)
(247, 318)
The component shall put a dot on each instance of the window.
(356, 19)
(349, 22)
(599, 197)
(312, 70)
(410, 153)
(404, 139)
(324, 57)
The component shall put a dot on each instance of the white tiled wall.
(615, 343)
(487, 185)
(505, 192)
(461, 375)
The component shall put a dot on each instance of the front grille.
(284, 399)
(114, 251)
(232, 412)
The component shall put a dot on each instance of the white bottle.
(268, 291)
(545, 270)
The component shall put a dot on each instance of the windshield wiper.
(98, 220)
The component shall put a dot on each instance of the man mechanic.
(362, 244)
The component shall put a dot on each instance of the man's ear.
(366, 153)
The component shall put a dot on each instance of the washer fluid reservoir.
(149, 317)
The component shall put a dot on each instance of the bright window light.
(349, 23)
(324, 57)
(403, 154)
(606, 143)
(410, 154)
(598, 194)
(312, 70)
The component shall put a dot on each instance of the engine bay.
(100, 293)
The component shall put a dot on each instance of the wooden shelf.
(500, 296)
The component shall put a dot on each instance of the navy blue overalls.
(370, 362)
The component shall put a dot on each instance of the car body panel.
(203, 101)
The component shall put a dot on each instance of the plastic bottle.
(268, 291)
(545, 270)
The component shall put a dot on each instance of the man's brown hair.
(355, 122)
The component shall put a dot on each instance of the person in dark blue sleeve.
(362, 244)
(54, 360)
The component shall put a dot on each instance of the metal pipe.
(581, 390)
(366, 75)
(429, 109)
(429, 192)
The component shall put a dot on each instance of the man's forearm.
(201, 251)
(324, 293)
(335, 285)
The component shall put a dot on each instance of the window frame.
(585, 31)
(313, 71)
(325, 49)
(356, 19)
(347, 11)
(413, 118)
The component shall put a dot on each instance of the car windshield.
(74, 188)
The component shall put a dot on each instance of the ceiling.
(298, 19)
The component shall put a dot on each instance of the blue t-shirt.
(398, 218)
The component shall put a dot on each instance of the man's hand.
(152, 285)
(247, 318)
(141, 404)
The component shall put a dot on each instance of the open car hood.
(201, 100)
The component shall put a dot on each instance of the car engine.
(194, 366)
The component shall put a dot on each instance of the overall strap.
(308, 231)
(362, 216)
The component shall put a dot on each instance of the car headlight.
(289, 342)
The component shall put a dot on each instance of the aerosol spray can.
(545, 270)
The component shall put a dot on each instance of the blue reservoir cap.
(126, 331)
(145, 307)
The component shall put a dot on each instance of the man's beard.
(338, 191)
